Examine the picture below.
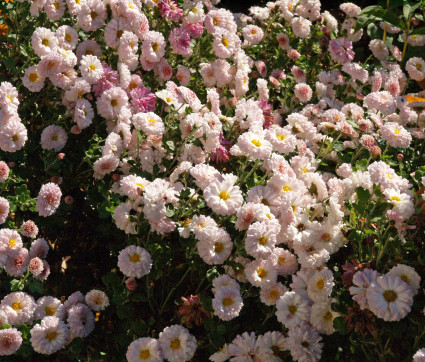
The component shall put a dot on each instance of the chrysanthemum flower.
(49, 307)
(10, 341)
(261, 273)
(304, 343)
(214, 246)
(134, 261)
(10, 242)
(48, 199)
(80, 320)
(19, 308)
(144, 349)
(13, 136)
(53, 137)
(407, 275)
(224, 198)
(97, 300)
(271, 295)
(319, 286)
(227, 303)
(43, 41)
(33, 79)
(177, 344)
(292, 309)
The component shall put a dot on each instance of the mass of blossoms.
(183, 183)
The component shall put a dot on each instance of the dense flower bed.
(247, 187)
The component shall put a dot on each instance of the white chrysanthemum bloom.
(260, 240)
(221, 355)
(419, 356)
(13, 136)
(83, 113)
(202, 225)
(304, 343)
(111, 102)
(227, 303)
(195, 13)
(19, 308)
(133, 186)
(281, 139)
(104, 165)
(134, 261)
(284, 261)
(319, 285)
(322, 316)
(145, 350)
(224, 281)
(67, 37)
(80, 320)
(390, 298)
(91, 68)
(395, 135)
(54, 138)
(402, 203)
(270, 295)
(80, 87)
(177, 344)
(224, 198)
(379, 49)
(49, 307)
(407, 275)
(255, 145)
(10, 242)
(97, 300)
(243, 348)
(261, 273)
(215, 246)
(292, 309)
(153, 46)
(361, 283)
(149, 123)
(113, 145)
(416, 68)
(43, 41)
(33, 79)
(270, 345)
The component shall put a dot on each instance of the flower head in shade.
(17, 265)
(322, 316)
(134, 261)
(10, 341)
(49, 336)
(35, 266)
(341, 50)
(13, 136)
(144, 349)
(39, 248)
(191, 311)
(292, 309)
(29, 229)
(105, 165)
(53, 138)
(4, 171)
(142, 99)
(4, 209)
(48, 199)
(177, 344)
(243, 347)
(49, 307)
(419, 356)
(80, 320)
(227, 303)
(97, 300)
(361, 282)
(304, 343)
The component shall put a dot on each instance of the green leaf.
(36, 287)
(363, 194)
(16, 284)
(9, 63)
(418, 31)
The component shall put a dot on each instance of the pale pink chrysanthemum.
(382, 101)
(19, 308)
(35, 266)
(395, 135)
(49, 306)
(261, 273)
(177, 344)
(39, 248)
(303, 92)
(54, 138)
(49, 336)
(97, 300)
(253, 34)
(92, 15)
(146, 349)
(301, 27)
(4, 209)
(54, 9)
(4, 171)
(29, 229)
(227, 303)
(13, 136)
(224, 198)
(33, 79)
(341, 50)
(415, 66)
(180, 42)
(17, 265)
(88, 47)
(10, 341)
(284, 261)
(48, 199)
(183, 75)
(45, 273)
(270, 295)
(80, 320)
(10, 242)
(153, 46)
(43, 41)
(134, 261)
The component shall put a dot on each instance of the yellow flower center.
(292, 309)
(89, 52)
(144, 354)
(256, 143)
(225, 42)
(326, 237)
(12, 242)
(227, 302)
(140, 185)
(134, 258)
(274, 294)
(286, 188)
(395, 198)
(216, 21)
(304, 170)
(54, 138)
(397, 131)
(262, 240)
(16, 306)
(77, 2)
(390, 296)
(68, 38)
(56, 5)
(50, 311)
(15, 138)
(224, 195)
(168, 99)
(261, 272)
(151, 120)
(114, 103)
(155, 46)
(320, 284)
(175, 343)
(45, 42)
(327, 316)
(280, 137)
(281, 260)
(51, 336)
(93, 14)
(218, 247)
(92, 67)
(33, 77)
(130, 6)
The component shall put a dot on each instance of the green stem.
(173, 290)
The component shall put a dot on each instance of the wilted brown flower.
(351, 269)
(192, 312)
(362, 321)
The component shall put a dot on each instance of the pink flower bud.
(131, 284)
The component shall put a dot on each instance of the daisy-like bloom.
(254, 144)
(356, 71)
(91, 68)
(261, 273)
(54, 138)
(292, 309)
(303, 92)
(281, 139)
(105, 165)
(48, 199)
(415, 66)
(215, 246)
(13, 136)
(322, 316)
(225, 43)
(33, 79)
(111, 101)
(19, 308)
(49, 336)
(153, 46)
(227, 303)
(270, 345)
(29, 229)
(39, 248)
(49, 307)
(123, 217)
(92, 15)
(260, 240)
(270, 295)
(83, 113)
(319, 285)
(144, 349)
(382, 101)
(10, 242)
(54, 9)
(419, 356)
(284, 261)
(17, 265)
(389, 298)
(67, 37)
(341, 50)
(97, 300)
(350, 9)
(301, 27)
(43, 41)
(4, 209)
(4, 171)
(134, 261)
(80, 320)
(73, 300)
(133, 186)
(149, 123)
(304, 343)
(243, 348)
(395, 135)
(407, 275)
(220, 18)
(253, 34)
(224, 198)
(10, 341)
(177, 344)
(402, 203)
